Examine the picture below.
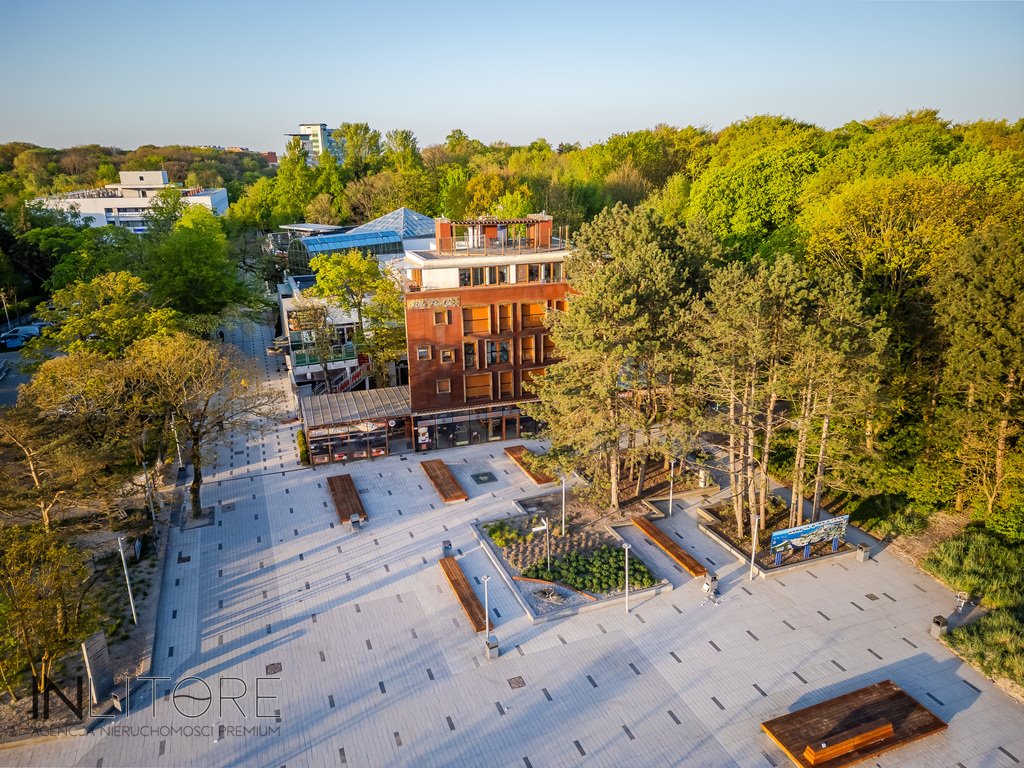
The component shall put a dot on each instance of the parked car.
(27, 330)
(12, 340)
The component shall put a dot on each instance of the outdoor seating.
(464, 592)
(444, 481)
(346, 499)
(669, 547)
(517, 454)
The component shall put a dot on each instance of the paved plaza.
(372, 662)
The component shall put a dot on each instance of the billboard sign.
(812, 533)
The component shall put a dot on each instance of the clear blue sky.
(244, 73)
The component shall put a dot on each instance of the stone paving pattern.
(378, 666)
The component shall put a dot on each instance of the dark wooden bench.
(346, 499)
(444, 481)
(669, 547)
(850, 740)
(460, 585)
(517, 454)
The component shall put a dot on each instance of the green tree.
(105, 315)
(190, 269)
(385, 326)
(206, 388)
(361, 147)
(44, 592)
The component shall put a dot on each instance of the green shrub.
(603, 571)
(300, 441)
(982, 564)
(994, 643)
(502, 534)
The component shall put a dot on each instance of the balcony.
(471, 245)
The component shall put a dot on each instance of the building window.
(526, 353)
(549, 348)
(497, 352)
(534, 273)
(504, 318)
(444, 386)
(505, 384)
(476, 320)
(447, 355)
(423, 352)
(469, 354)
(478, 275)
(478, 387)
(443, 317)
(532, 315)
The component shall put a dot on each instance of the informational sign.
(97, 667)
(812, 533)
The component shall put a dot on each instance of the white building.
(316, 139)
(127, 203)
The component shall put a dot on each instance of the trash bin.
(446, 548)
(491, 647)
(940, 626)
(863, 553)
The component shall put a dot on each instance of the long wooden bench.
(467, 597)
(669, 547)
(346, 499)
(444, 481)
(517, 454)
(850, 740)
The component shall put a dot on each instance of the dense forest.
(843, 307)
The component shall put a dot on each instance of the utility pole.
(124, 564)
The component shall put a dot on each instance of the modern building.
(475, 312)
(316, 139)
(386, 238)
(127, 203)
(476, 308)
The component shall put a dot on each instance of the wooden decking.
(346, 498)
(852, 727)
(516, 453)
(444, 481)
(460, 585)
(673, 550)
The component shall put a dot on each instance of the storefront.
(365, 424)
(450, 429)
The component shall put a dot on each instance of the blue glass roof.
(406, 222)
(345, 240)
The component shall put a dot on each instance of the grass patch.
(887, 514)
(600, 572)
(985, 565)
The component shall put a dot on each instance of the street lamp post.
(563, 505)
(547, 538)
(124, 564)
(626, 547)
(487, 613)
(671, 483)
(753, 542)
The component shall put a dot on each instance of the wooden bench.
(460, 585)
(850, 740)
(346, 499)
(669, 547)
(517, 454)
(444, 481)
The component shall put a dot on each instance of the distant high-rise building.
(316, 138)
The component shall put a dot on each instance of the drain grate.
(484, 477)
(516, 682)
(274, 669)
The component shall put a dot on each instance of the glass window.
(469, 355)
(447, 355)
(478, 276)
(465, 279)
(444, 386)
(442, 317)
(423, 353)
(556, 273)
(534, 273)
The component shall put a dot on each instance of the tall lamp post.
(563, 505)
(487, 613)
(124, 564)
(671, 483)
(626, 547)
(547, 538)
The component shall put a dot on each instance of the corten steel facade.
(475, 311)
